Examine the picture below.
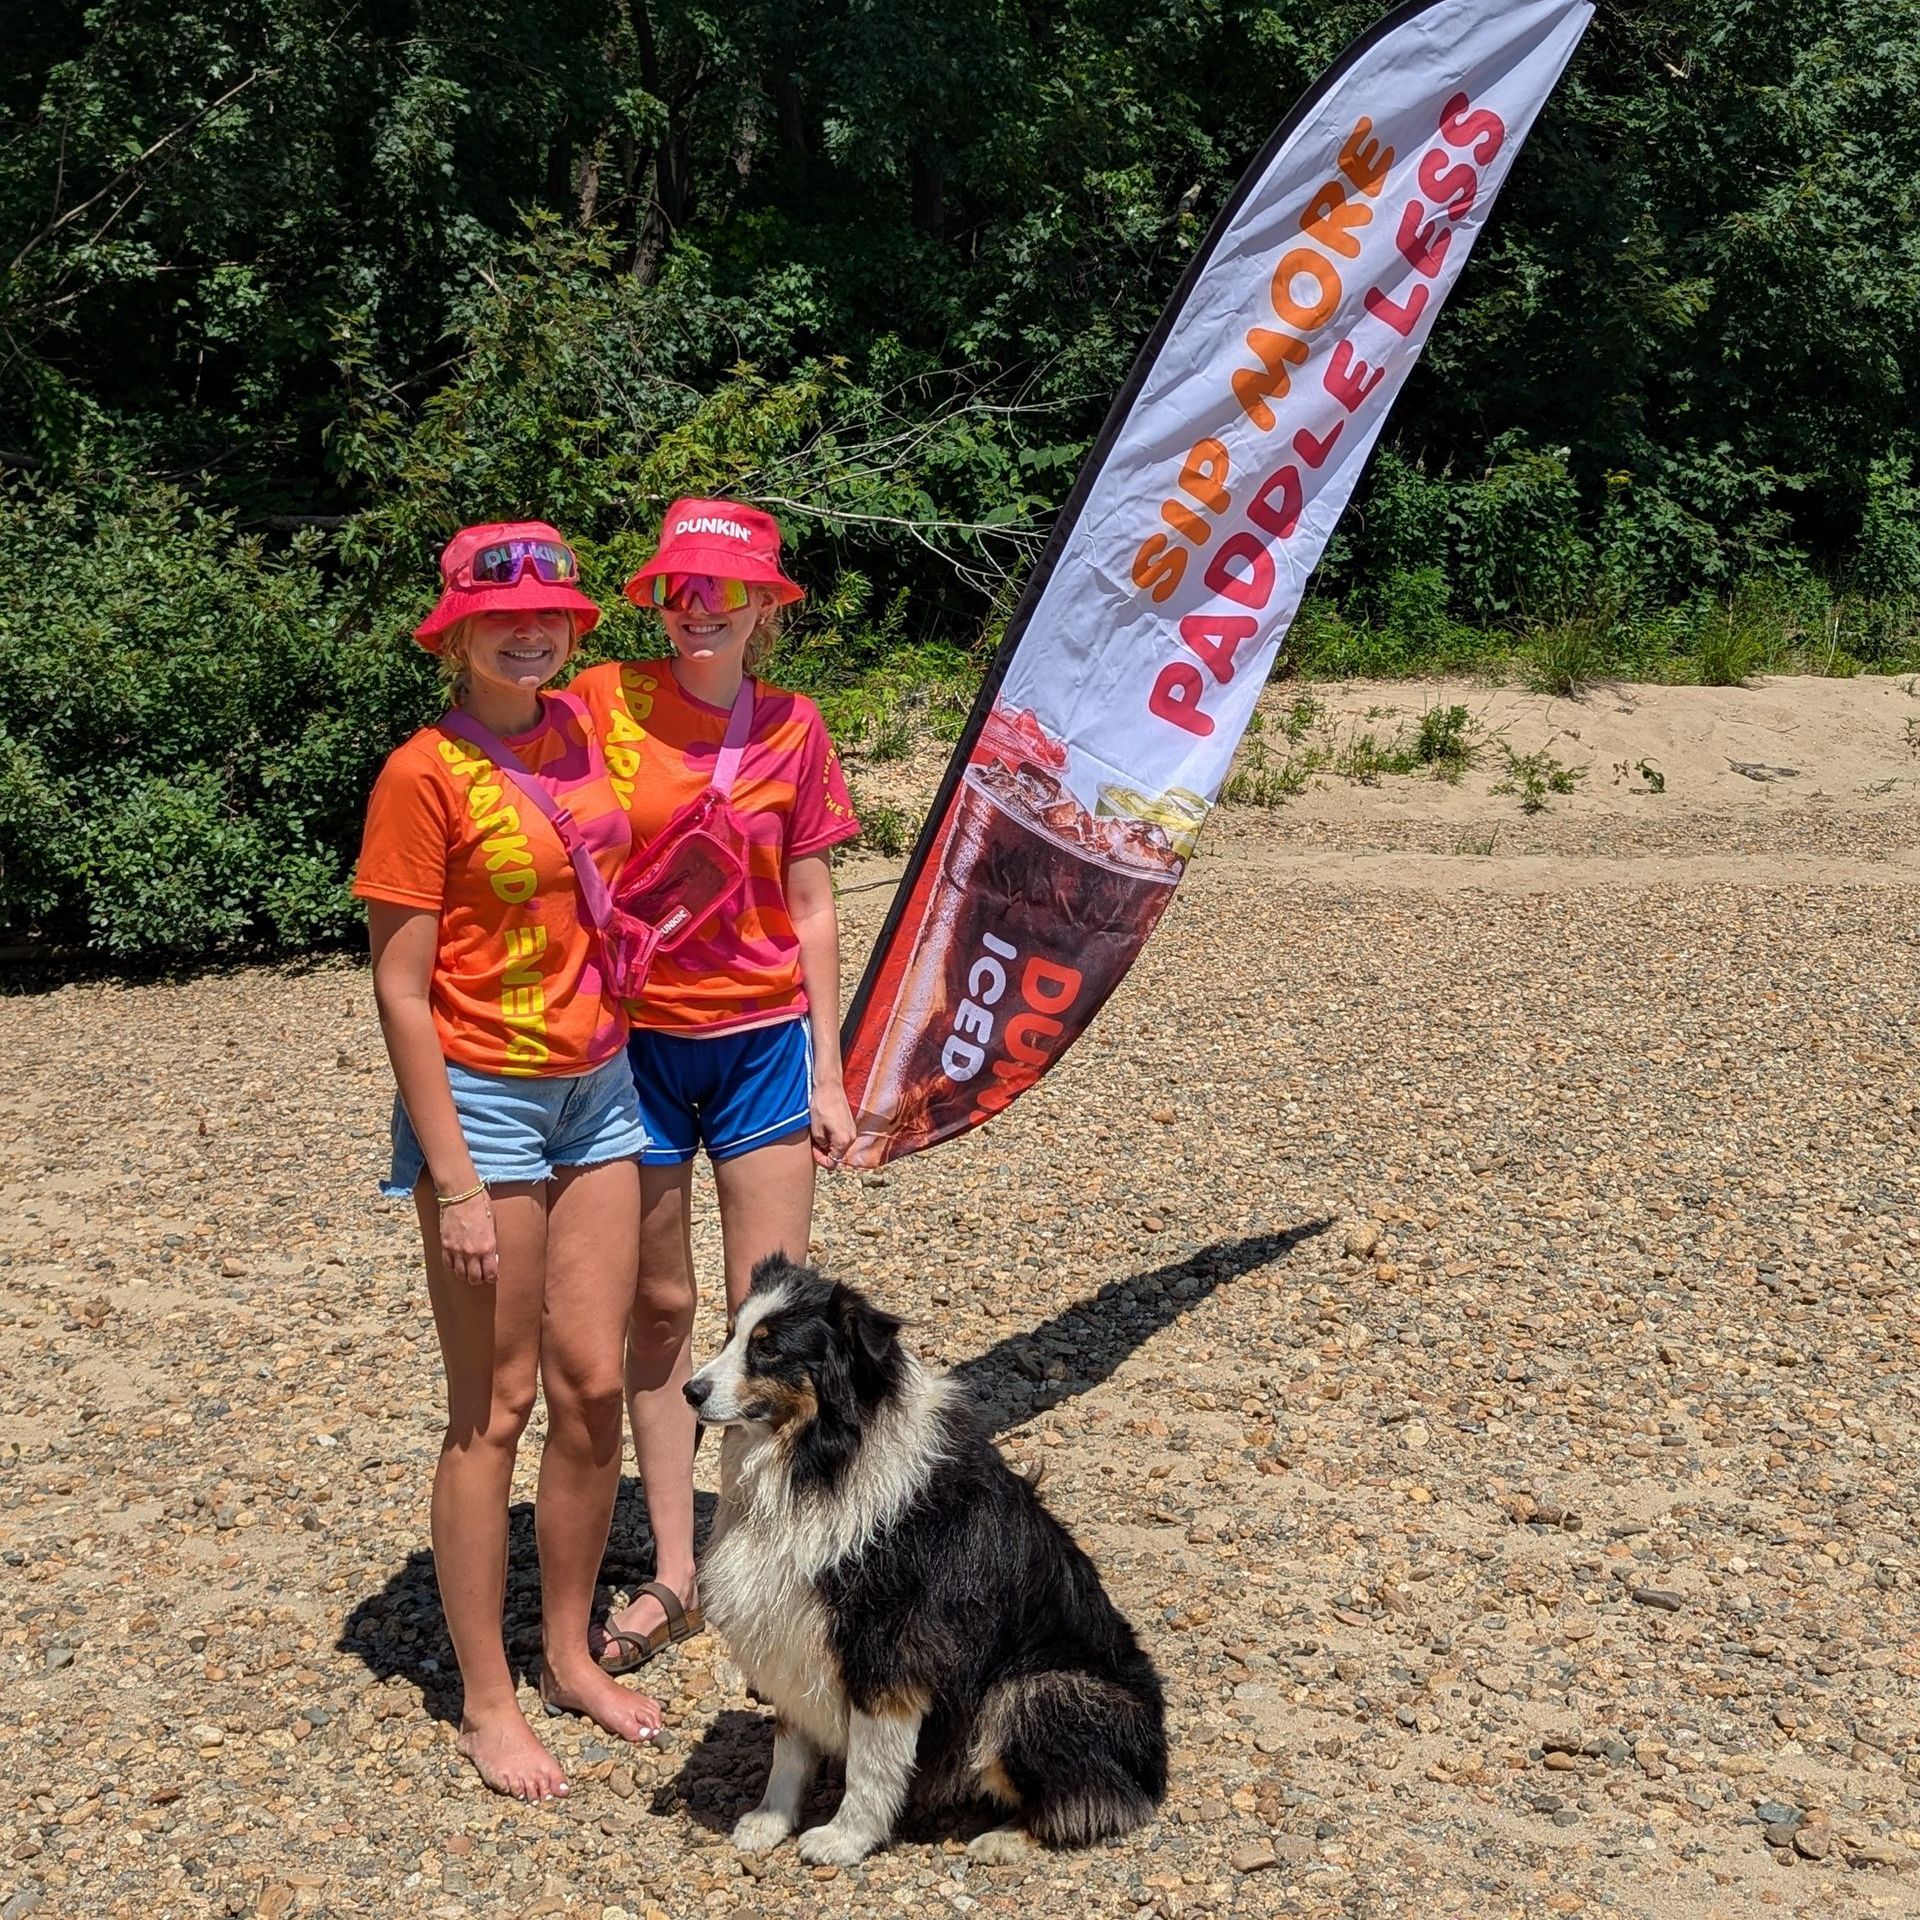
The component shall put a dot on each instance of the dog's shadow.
(723, 1773)
(1084, 1345)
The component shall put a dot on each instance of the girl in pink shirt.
(736, 1037)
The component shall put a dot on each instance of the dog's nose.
(697, 1391)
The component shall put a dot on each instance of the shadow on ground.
(1087, 1343)
(725, 1771)
(400, 1632)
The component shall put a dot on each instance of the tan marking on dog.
(783, 1406)
(898, 1702)
(995, 1779)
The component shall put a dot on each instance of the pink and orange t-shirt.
(743, 968)
(516, 984)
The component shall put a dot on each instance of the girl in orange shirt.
(516, 1127)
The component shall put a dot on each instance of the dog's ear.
(873, 1342)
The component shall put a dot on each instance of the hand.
(832, 1125)
(469, 1247)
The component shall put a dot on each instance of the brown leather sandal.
(625, 1652)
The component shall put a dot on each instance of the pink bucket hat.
(718, 537)
(506, 564)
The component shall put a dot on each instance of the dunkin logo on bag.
(706, 523)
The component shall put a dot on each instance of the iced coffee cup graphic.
(1026, 917)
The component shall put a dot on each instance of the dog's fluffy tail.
(1083, 1758)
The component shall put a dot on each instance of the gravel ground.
(1464, 1301)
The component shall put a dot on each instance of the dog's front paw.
(761, 1830)
(834, 1846)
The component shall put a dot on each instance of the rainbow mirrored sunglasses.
(681, 592)
(502, 564)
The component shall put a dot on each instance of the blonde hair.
(458, 641)
(764, 638)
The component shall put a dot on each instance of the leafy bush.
(188, 730)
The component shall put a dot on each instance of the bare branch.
(127, 172)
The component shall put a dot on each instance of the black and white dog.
(900, 1596)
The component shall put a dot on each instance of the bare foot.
(604, 1701)
(508, 1756)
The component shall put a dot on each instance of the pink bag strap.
(594, 897)
(726, 765)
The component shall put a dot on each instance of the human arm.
(405, 941)
(809, 889)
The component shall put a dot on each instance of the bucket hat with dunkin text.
(721, 538)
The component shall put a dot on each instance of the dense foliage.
(288, 291)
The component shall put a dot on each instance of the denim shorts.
(524, 1127)
(730, 1092)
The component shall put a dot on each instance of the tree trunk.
(792, 110)
(587, 182)
(929, 194)
(560, 170)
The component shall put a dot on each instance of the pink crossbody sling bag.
(668, 889)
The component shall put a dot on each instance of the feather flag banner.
(1130, 669)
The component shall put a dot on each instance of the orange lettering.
(1201, 475)
(1045, 983)
(1158, 565)
(1293, 264)
(1329, 217)
(1364, 160)
(1184, 520)
(1027, 1035)
(1254, 389)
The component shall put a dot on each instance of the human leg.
(766, 1206)
(659, 1362)
(592, 1225)
(490, 1344)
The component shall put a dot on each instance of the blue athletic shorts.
(728, 1092)
(523, 1127)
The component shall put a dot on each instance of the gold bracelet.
(447, 1200)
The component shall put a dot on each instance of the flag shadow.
(1079, 1348)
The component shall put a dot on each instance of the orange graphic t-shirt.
(742, 968)
(516, 983)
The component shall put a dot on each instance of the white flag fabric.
(1130, 670)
